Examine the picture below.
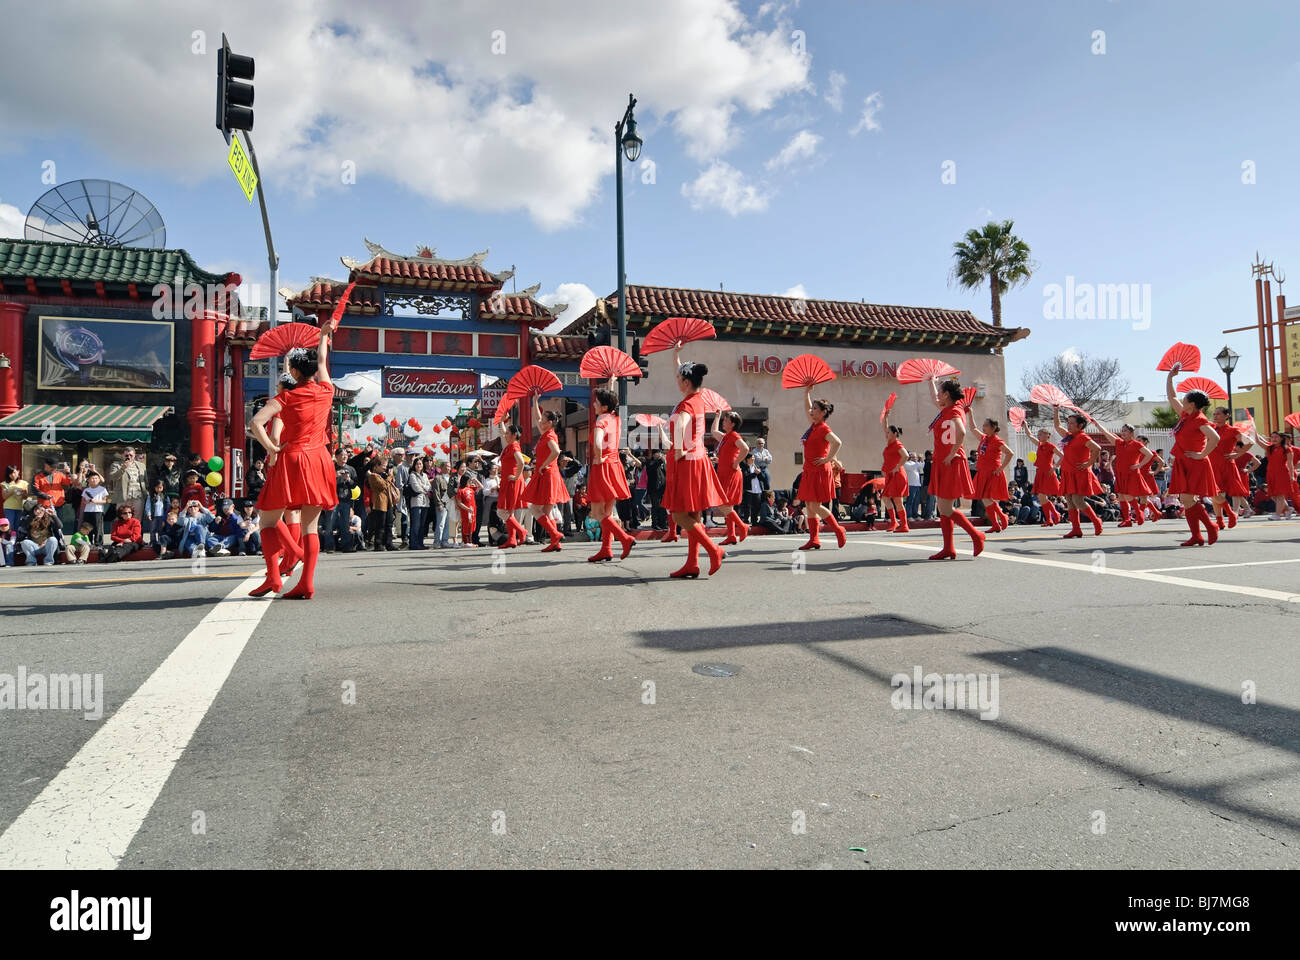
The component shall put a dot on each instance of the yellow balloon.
(214, 479)
(1033, 456)
(356, 493)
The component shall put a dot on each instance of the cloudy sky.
(834, 148)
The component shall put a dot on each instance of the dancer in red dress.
(991, 471)
(303, 476)
(546, 489)
(1149, 486)
(895, 488)
(289, 529)
(731, 450)
(1046, 483)
(1130, 457)
(1193, 477)
(511, 494)
(1280, 476)
(950, 479)
(1223, 470)
(1240, 464)
(1078, 482)
(606, 479)
(692, 485)
(817, 485)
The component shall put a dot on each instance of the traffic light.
(598, 336)
(234, 97)
(641, 361)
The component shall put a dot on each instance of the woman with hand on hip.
(546, 488)
(950, 479)
(731, 450)
(1193, 475)
(817, 485)
(606, 478)
(1078, 482)
(692, 484)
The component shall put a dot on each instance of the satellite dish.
(101, 213)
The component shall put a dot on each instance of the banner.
(492, 399)
(419, 382)
(80, 354)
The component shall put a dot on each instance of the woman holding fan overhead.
(731, 450)
(991, 462)
(606, 479)
(1078, 482)
(817, 485)
(510, 496)
(692, 486)
(950, 479)
(895, 489)
(1193, 477)
(546, 489)
(1046, 483)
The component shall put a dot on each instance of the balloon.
(356, 493)
(1033, 456)
(216, 463)
(214, 479)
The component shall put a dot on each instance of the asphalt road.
(446, 709)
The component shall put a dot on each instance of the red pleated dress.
(606, 479)
(1219, 462)
(303, 473)
(511, 494)
(1046, 482)
(547, 486)
(1127, 480)
(1279, 477)
(729, 477)
(949, 481)
(1076, 479)
(990, 478)
(1149, 486)
(692, 485)
(1195, 477)
(818, 482)
(892, 468)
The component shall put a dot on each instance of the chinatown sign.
(420, 382)
(845, 368)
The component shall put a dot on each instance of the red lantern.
(393, 422)
(379, 418)
(356, 451)
(438, 428)
(417, 426)
(445, 448)
(446, 421)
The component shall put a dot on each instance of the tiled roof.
(518, 308)
(740, 314)
(86, 263)
(557, 348)
(324, 294)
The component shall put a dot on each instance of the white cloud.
(1071, 356)
(423, 95)
(724, 187)
(835, 95)
(11, 221)
(871, 106)
(797, 292)
(579, 298)
(801, 147)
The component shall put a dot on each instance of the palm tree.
(994, 254)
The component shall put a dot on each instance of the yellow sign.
(242, 167)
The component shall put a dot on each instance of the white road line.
(1217, 566)
(1115, 572)
(86, 817)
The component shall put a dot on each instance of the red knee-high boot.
(742, 528)
(1211, 528)
(976, 536)
(291, 544)
(271, 554)
(731, 529)
(1074, 526)
(552, 531)
(606, 538)
(814, 541)
(903, 527)
(1096, 521)
(715, 552)
(691, 569)
(948, 552)
(1155, 513)
(1231, 513)
(1193, 517)
(893, 521)
(1125, 518)
(841, 535)
(310, 551)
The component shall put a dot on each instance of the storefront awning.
(95, 423)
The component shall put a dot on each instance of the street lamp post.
(1227, 363)
(626, 143)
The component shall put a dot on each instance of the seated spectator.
(1025, 508)
(8, 542)
(171, 535)
(225, 535)
(79, 544)
(769, 517)
(248, 522)
(195, 520)
(41, 534)
(126, 536)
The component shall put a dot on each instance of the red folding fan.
(648, 420)
(533, 379)
(714, 402)
(601, 363)
(1185, 355)
(279, 340)
(1016, 417)
(1246, 427)
(1050, 395)
(339, 307)
(1205, 385)
(921, 368)
(1293, 420)
(806, 371)
(889, 405)
(503, 407)
(968, 396)
(666, 334)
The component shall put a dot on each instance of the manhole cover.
(715, 669)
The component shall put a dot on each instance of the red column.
(11, 379)
(237, 440)
(203, 409)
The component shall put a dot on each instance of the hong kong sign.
(492, 398)
(844, 368)
(417, 382)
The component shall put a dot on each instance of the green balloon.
(216, 463)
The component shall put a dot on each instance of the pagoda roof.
(751, 315)
(521, 307)
(424, 270)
